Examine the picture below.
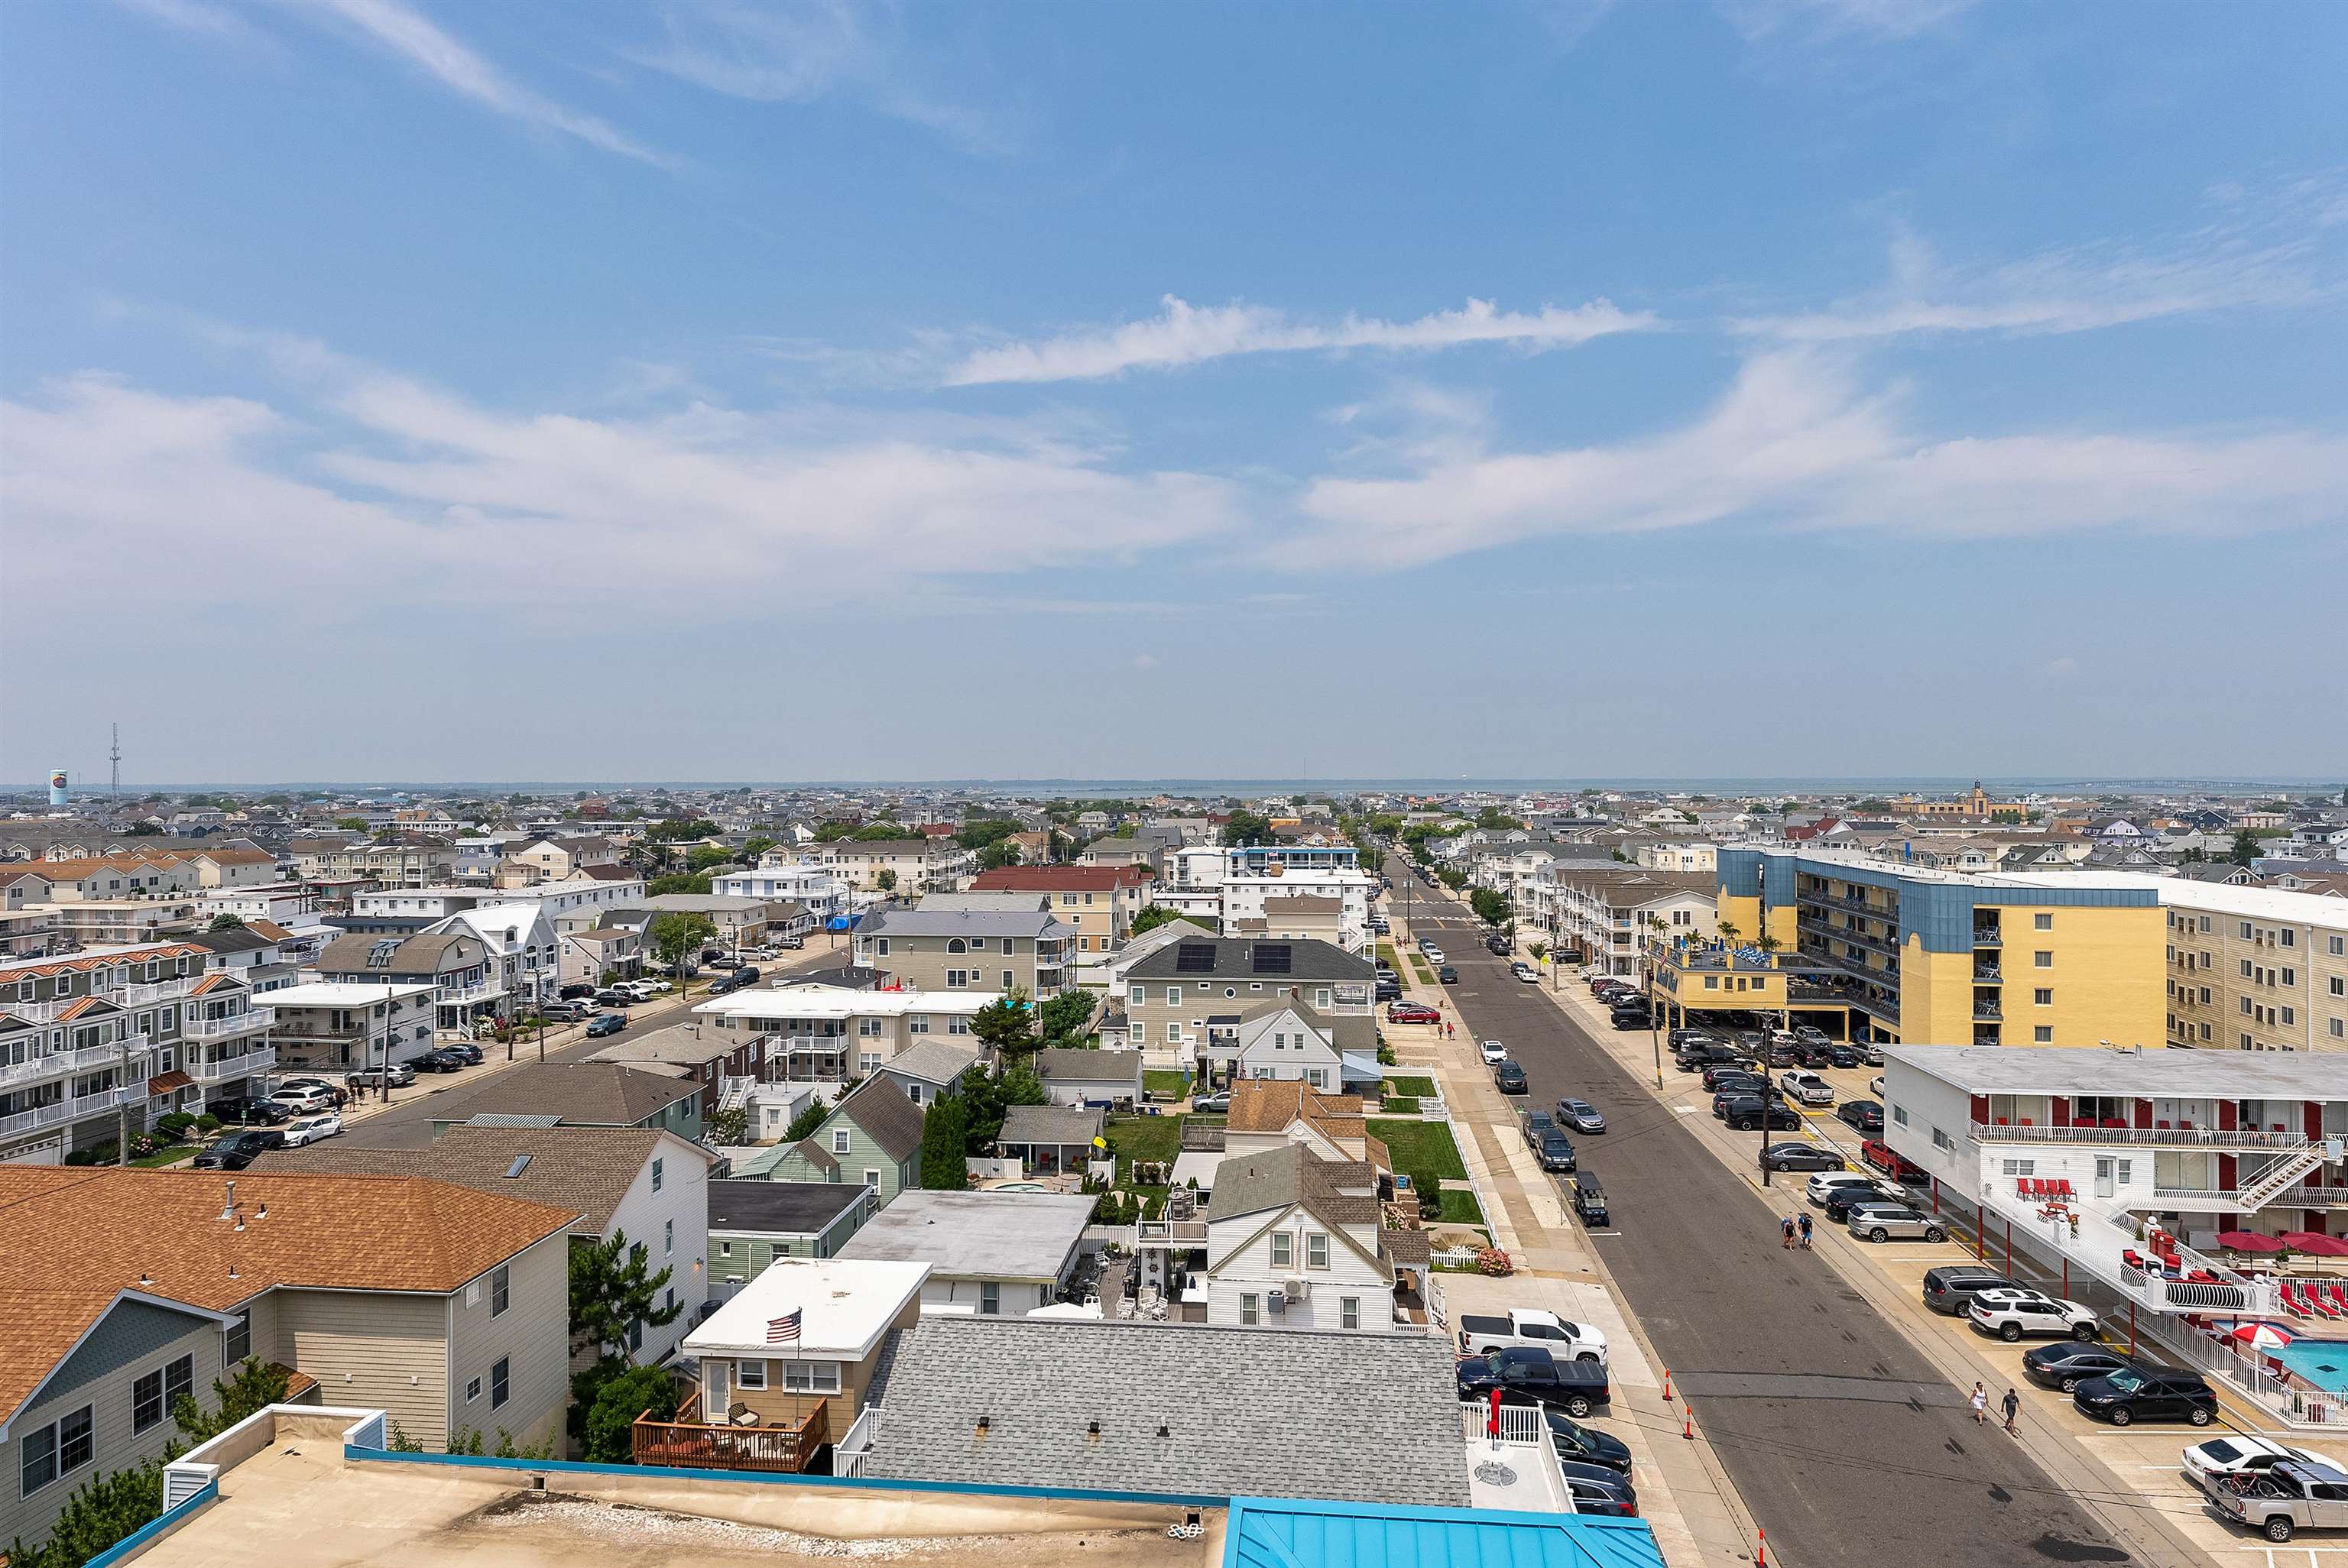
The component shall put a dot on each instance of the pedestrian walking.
(2012, 1408)
(1980, 1402)
(1786, 1229)
(1805, 1233)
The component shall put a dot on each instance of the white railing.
(2292, 1166)
(154, 992)
(66, 1111)
(1525, 1424)
(63, 1062)
(2160, 1137)
(486, 991)
(227, 1068)
(854, 1445)
(228, 1024)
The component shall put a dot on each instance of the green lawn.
(1386, 952)
(1420, 1146)
(1460, 1207)
(1417, 1088)
(1132, 1138)
(1170, 1080)
(1399, 1105)
(1418, 967)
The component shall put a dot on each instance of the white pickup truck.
(1522, 1326)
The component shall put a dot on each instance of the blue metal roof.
(1293, 1532)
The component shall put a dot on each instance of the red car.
(1880, 1155)
(1412, 1012)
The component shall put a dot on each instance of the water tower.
(56, 786)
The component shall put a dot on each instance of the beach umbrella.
(2249, 1241)
(2316, 1243)
(2262, 1336)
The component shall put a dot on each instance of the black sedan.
(241, 1112)
(1581, 1115)
(1841, 1055)
(1509, 1078)
(1801, 1157)
(1866, 1115)
(463, 1051)
(238, 1149)
(2066, 1365)
(1724, 1076)
(1577, 1444)
(437, 1061)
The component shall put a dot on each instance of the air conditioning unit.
(1298, 1289)
(1277, 1302)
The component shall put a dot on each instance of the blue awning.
(1281, 1532)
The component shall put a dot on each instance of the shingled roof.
(589, 1169)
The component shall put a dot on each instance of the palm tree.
(1728, 932)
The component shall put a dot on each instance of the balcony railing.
(228, 1024)
(2141, 1137)
(230, 1067)
(89, 1057)
(1987, 937)
(692, 1445)
(482, 991)
(64, 1111)
(1987, 1012)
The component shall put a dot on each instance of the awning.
(1355, 1067)
(167, 1084)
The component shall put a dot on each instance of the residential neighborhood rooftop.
(586, 1169)
(2156, 1072)
(1005, 1235)
(780, 1208)
(844, 1306)
(590, 1093)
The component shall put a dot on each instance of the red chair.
(2339, 1296)
(2312, 1294)
(2066, 1188)
(2130, 1256)
(2162, 1125)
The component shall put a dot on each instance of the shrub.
(208, 1124)
(1494, 1262)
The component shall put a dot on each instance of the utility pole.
(115, 757)
(122, 1109)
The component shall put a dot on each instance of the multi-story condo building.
(420, 865)
(2254, 968)
(957, 949)
(1234, 885)
(1607, 913)
(899, 865)
(1096, 902)
(1678, 856)
(1894, 953)
(467, 985)
(828, 1034)
(1190, 992)
(139, 1031)
(342, 1025)
(821, 892)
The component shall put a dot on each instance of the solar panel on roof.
(1271, 957)
(1194, 959)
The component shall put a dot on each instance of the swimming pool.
(2323, 1362)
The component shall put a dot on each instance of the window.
(1173, 1033)
(2021, 1167)
(500, 1297)
(839, 1140)
(2246, 968)
(2336, 945)
(236, 1343)
(668, 1239)
(957, 946)
(2043, 1034)
(2340, 1029)
(1136, 995)
(918, 1024)
(1942, 1140)
(990, 1298)
(2042, 922)
(872, 1178)
(811, 1377)
(472, 1389)
(750, 1375)
(500, 1381)
(1248, 1308)
(1173, 996)
(1316, 1251)
(147, 1401)
(1899, 1114)
(2290, 977)
(880, 946)
(2044, 959)
(1349, 1312)
(957, 979)
(2290, 1015)
(659, 1173)
(2339, 985)
(2044, 995)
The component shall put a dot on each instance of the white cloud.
(372, 485)
(1763, 21)
(1184, 334)
(808, 52)
(1798, 439)
(409, 33)
(2063, 291)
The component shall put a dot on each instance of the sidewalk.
(1686, 1498)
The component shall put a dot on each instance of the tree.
(100, 1514)
(991, 1099)
(946, 1138)
(708, 857)
(1491, 905)
(226, 923)
(1493, 819)
(256, 1385)
(1874, 805)
(1246, 827)
(1729, 931)
(351, 823)
(612, 1289)
(803, 1125)
(1008, 1025)
(623, 1394)
(683, 882)
(676, 937)
(980, 832)
(1540, 950)
(681, 830)
(730, 1126)
(1065, 1017)
(881, 831)
(2245, 850)
(886, 881)
(756, 845)
(994, 857)
(1153, 917)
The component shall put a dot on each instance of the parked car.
(2290, 1497)
(303, 1098)
(1885, 1222)
(1448, 975)
(1524, 1327)
(1494, 1052)
(1748, 1113)
(792, 943)
(1589, 1199)
(1387, 991)
(2013, 1314)
(1880, 1155)
(574, 991)
(605, 1023)
(1581, 1115)
(1217, 1104)
(401, 1074)
(2068, 1366)
(614, 996)
(1807, 1088)
(1526, 973)
(1632, 1018)
(304, 1129)
(1727, 1075)
(1821, 1186)
(1509, 1078)
(1599, 1492)
(1434, 954)
(745, 976)
(1680, 1037)
(1534, 1123)
(1577, 1444)
(1530, 1376)
(1412, 1012)
(2237, 1453)
(243, 1110)
(1555, 1152)
(1840, 1200)
(1810, 1034)
(1861, 1115)
(1841, 1055)
(2139, 1394)
(463, 1051)
(565, 1012)
(238, 1149)
(438, 1060)
(1498, 946)
(722, 986)
(1801, 1157)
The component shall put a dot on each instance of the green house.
(873, 1136)
(752, 1223)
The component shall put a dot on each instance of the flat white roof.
(843, 1002)
(340, 994)
(844, 1305)
(2155, 1073)
(2280, 904)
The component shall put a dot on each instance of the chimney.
(228, 1210)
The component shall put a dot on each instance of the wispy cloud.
(415, 37)
(816, 49)
(1184, 334)
(1799, 440)
(2065, 290)
(1765, 20)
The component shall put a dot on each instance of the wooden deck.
(690, 1444)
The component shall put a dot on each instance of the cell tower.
(115, 757)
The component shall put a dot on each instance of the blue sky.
(1767, 387)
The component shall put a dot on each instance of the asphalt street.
(1846, 1445)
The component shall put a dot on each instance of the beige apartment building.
(959, 949)
(1097, 902)
(2255, 969)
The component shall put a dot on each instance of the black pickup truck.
(1530, 1376)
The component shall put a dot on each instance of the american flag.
(784, 1330)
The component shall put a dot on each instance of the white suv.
(2011, 1314)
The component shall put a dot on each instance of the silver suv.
(1882, 1222)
